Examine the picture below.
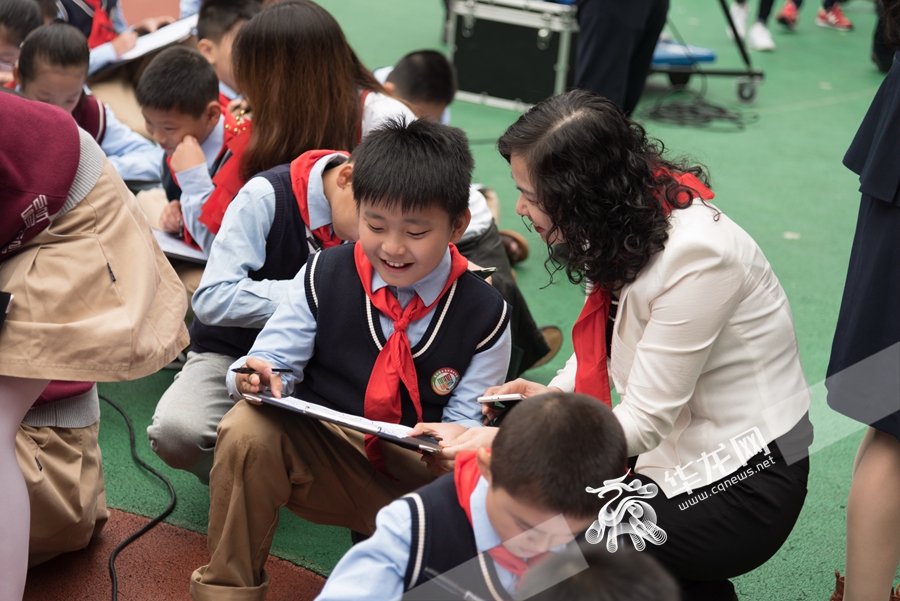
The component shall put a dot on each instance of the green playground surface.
(780, 178)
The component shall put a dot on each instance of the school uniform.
(57, 449)
(100, 21)
(428, 528)
(193, 186)
(327, 330)
(266, 239)
(704, 354)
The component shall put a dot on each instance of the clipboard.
(394, 433)
(176, 248)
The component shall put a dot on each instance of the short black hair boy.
(424, 76)
(178, 79)
(218, 17)
(442, 173)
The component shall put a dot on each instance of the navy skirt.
(864, 372)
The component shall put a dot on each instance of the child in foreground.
(394, 328)
(508, 508)
(53, 68)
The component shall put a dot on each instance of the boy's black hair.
(218, 17)
(414, 164)
(18, 18)
(178, 79)
(424, 76)
(626, 575)
(56, 44)
(551, 447)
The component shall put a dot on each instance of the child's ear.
(390, 88)
(208, 49)
(460, 225)
(483, 460)
(344, 175)
(213, 112)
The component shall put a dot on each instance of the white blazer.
(704, 355)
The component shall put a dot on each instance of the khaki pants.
(64, 475)
(267, 458)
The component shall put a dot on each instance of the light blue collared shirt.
(227, 296)
(187, 8)
(135, 157)
(374, 569)
(288, 341)
(104, 54)
(227, 91)
(196, 186)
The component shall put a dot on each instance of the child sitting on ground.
(179, 97)
(52, 68)
(276, 221)
(393, 328)
(498, 514)
(18, 18)
(426, 81)
(217, 25)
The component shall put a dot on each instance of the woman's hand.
(254, 383)
(170, 218)
(521, 386)
(470, 440)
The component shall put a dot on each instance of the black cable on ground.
(680, 105)
(149, 525)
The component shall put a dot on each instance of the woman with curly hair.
(685, 317)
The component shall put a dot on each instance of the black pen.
(250, 370)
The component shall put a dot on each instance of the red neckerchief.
(232, 129)
(102, 29)
(589, 331)
(228, 180)
(300, 168)
(395, 363)
(466, 475)
(224, 101)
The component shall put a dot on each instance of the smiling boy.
(393, 328)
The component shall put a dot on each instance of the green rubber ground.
(781, 179)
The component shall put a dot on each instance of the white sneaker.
(759, 38)
(739, 14)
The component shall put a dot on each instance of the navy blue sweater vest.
(469, 319)
(442, 539)
(80, 14)
(173, 190)
(287, 249)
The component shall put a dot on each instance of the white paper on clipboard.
(162, 37)
(176, 248)
(396, 433)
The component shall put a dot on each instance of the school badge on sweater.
(444, 380)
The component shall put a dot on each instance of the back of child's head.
(218, 17)
(414, 165)
(18, 18)
(49, 10)
(178, 79)
(295, 68)
(622, 576)
(551, 447)
(424, 76)
(55, 45)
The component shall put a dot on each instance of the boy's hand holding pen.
(256, 375)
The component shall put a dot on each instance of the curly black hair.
(602, 181)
